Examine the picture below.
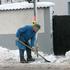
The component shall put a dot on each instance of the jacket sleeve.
(32, 41)
(21, 31)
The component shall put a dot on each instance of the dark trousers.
(28, 51)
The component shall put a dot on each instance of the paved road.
(34, 67)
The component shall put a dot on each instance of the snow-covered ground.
(12, 56)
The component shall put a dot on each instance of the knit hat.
(37, 25)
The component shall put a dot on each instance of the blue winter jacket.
(25, 34)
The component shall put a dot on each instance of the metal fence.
(8, 41)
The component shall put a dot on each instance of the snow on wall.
(24, 5)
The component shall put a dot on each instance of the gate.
(61, 34)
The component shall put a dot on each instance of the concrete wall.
(68, 2)
(45, 39)
(8, 41)
(10, 21)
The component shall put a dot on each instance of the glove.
(34, 49)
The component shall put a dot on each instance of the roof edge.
(25, 5)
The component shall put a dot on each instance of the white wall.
(3, 1)
(10, 21)
(61, 6)
(68, 8)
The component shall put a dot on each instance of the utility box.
(16, 15)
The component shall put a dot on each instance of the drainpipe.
(35, 11)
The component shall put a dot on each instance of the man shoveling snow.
(26, 35)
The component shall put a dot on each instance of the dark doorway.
(61, 34)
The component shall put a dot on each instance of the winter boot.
(30, 59)
(23, 61)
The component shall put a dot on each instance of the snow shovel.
(33, 51)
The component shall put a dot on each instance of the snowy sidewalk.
(34, 66)
(9, 60)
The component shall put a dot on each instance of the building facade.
(61, 7)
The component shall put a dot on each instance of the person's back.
(25, 33)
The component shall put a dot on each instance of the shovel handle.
(33, 51)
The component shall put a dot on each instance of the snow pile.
(54, 59)
(7, 55)
(63, 59)
(51, 58)
(24, 5)
(12, 56)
